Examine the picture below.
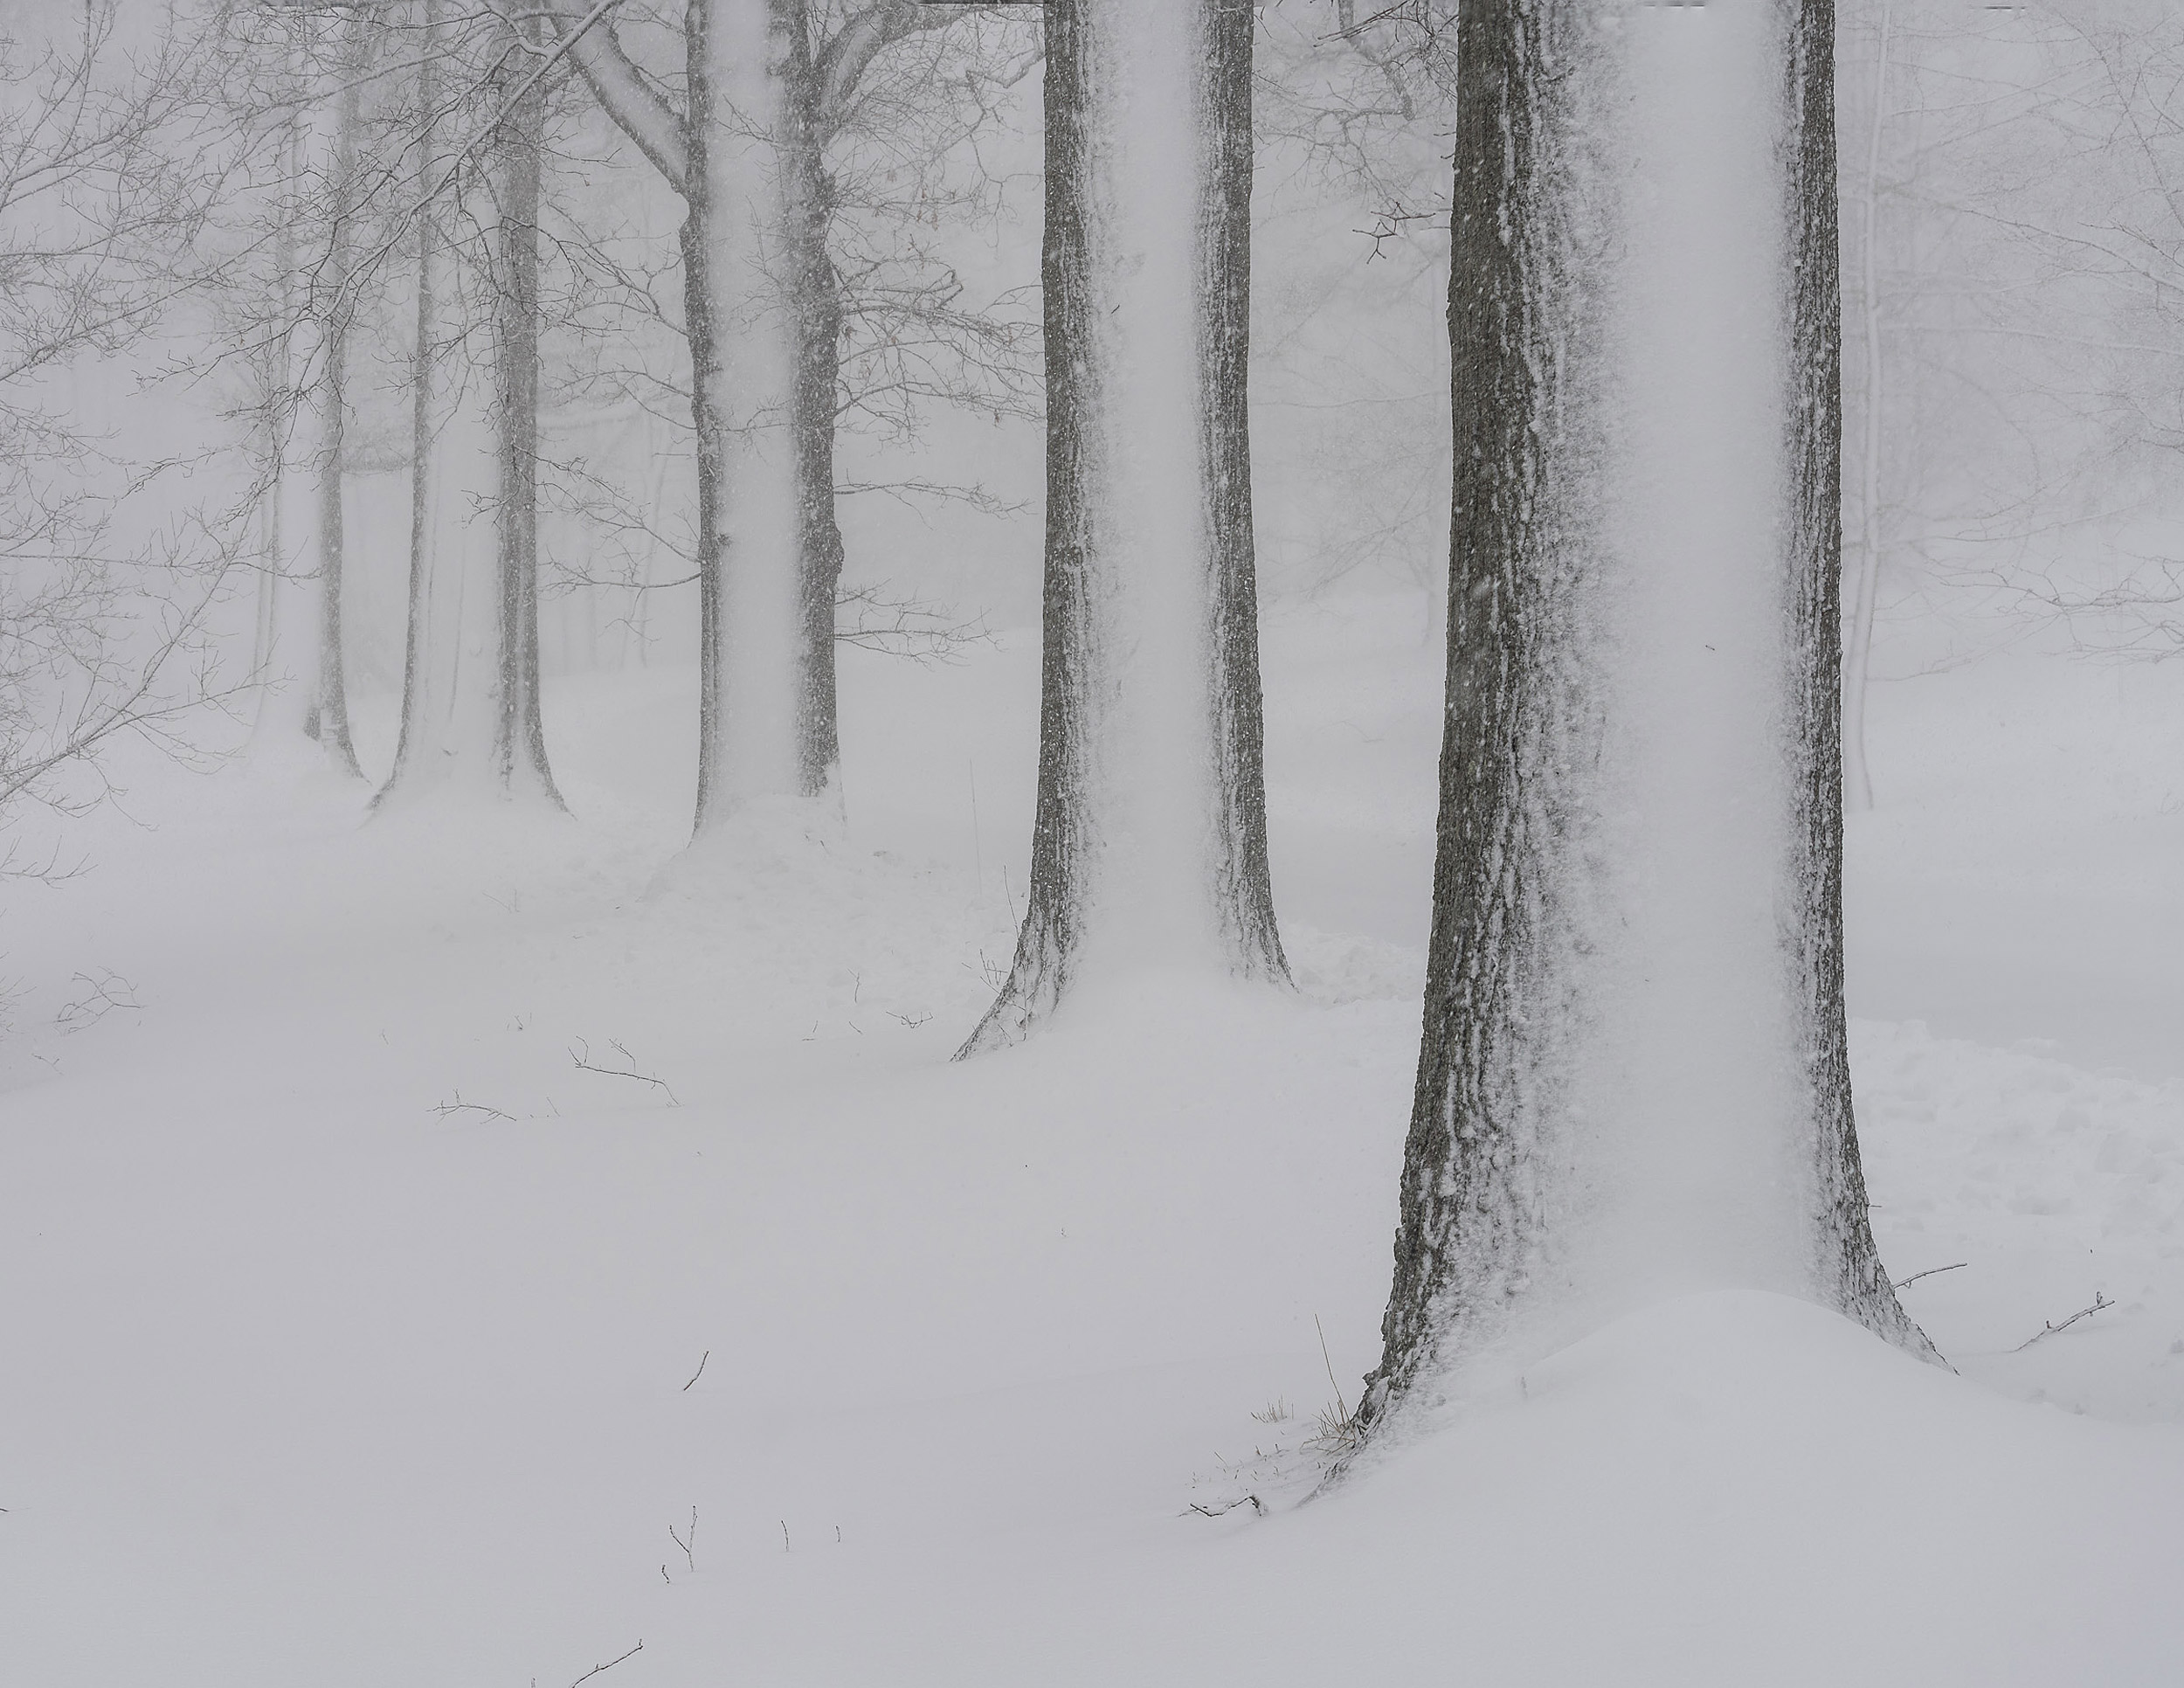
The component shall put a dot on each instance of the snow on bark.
(1632, 1078)
(454, 674)
(743, 59)
(303, 639)
(1149, 846)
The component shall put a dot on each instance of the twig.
(1253, 1501)
(583, 1061)
(688, 1546)
(699, 1372)
(2099, 1302)
(609, 1664)
(784, 1535)
(1929, 1272)
(459, 1106)
(1330, 1364)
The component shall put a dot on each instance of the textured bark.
(704, 331)
(1522, 537)
(1243, 898)
(815, 295)
(1082, 670)
(1849, 1268)
(1496, 1167)
(329, 717)
(520, 736)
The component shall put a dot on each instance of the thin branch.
(2100, 1300)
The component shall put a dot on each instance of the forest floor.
(355, 1328)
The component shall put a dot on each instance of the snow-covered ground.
(351, 1332)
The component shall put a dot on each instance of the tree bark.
(1149, 603)
(1847, 1268)
(329, 721)
(520, 736)
(1543, 1092)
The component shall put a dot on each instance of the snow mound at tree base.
(1728, 1488)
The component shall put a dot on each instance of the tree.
(307, 355)
(1149, 836)
(470, 711)
(111, 164)
(1632, 1074)
(766, 86)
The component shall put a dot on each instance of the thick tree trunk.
(1149, 838)
(1632, 1076)
(451, 676)
(520, 738)
(744, 61)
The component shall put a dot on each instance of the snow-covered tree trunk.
(814, 291)
(743, 362)
(765, 86)
(451, 676)
(305, 662)
(519, 752)
(1632, 1078)
(1865, 593)
(1149, 845)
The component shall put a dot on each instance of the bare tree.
(110, 166)
(1562, 1140)
(765, 88)
(1149, 833)
(470, 692)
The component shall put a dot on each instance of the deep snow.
(306, 1383)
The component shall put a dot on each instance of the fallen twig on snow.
(582, 1056)
(688, 1545)
(2046, 1330)
(609, 1664)
(1929, 1272)
(699, 1372)
(1252, 1501)
(459, 1106)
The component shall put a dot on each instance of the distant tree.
(470, 708)
(1149, 837)
(765, 87)
(315, 118)
(112, 161)
(1565, 1036)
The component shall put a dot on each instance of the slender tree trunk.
(1847, 1270)
(1243, 899)
(1632, 1076)
(329, 723)
(1858, 632)
(519, 737)
(815, 288)
(1150, 838)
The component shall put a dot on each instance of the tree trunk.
(329, 721)
(1631, 1079)
(743, 60)
(1858, 634)
(450, 709)
(520, 738)
(1847, 1270)
(1148, 842)
(815, 287)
